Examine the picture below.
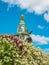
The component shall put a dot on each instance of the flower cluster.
(16, 52)
(11, 38)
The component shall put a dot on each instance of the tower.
(22, 31)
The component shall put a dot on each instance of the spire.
(22, 20)
(22, 32)
(22, 27)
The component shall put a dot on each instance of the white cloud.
(40, 27)
(37, 6)
(40, 39)
(46, 16)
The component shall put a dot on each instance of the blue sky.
(36, 21)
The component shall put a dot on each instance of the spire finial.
(22, 17)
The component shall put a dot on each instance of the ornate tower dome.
(22, 27)
(22, 31)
